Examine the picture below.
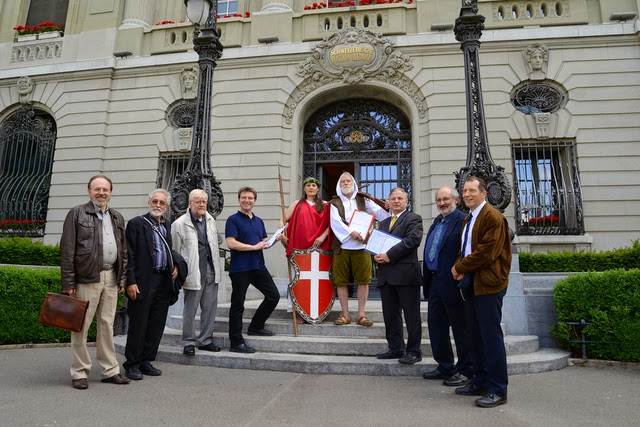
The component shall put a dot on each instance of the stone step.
(539, 361)
(333, 345)
(373, 310)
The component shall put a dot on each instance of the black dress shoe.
(149, 369)
(260, 332)
(133, 374)
(209, 347)
(491, 400)
(390, 354)
(435, 375)
(470, 390)
(456, 380)
(242, 348)
(189, 350)
(410, 359)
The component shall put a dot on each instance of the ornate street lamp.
(468, 30)
(198, 174)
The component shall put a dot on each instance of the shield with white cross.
(312, 291)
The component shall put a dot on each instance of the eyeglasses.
(158, 202)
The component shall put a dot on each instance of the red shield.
(312, 292)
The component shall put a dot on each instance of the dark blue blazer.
(404, 268)
(444, 282)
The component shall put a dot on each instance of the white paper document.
(272, 240)
(380, 242)
(361, 222)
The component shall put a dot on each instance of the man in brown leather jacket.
(93, 250)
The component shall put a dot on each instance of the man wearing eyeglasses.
(150, 279)
(195, 237)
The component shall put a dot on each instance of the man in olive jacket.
(93, 251)
(483, 268)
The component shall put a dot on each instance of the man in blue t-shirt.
(246, 238)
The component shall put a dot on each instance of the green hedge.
(24, 251)
(610, 303)
(22, 291)
(625, 258)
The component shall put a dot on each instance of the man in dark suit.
(483, 268)
(399, 281)
(446, 307)
(149, 285)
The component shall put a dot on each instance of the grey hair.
(197, 192)
(393, 190)
(453, 191)
(161, 191)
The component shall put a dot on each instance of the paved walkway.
(35, 390)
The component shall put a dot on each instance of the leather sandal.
(363, 321)
(342, 320)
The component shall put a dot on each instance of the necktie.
(436, 240)
(393, 222)
(466, 235)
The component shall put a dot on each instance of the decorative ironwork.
(27, 145)
(548, 191)
(198, 173)
(182, 115)
(530, 98)
(468, 30)
(366, 132)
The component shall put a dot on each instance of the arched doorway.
(369, 138)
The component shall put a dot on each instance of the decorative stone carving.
(189, 83)
(543, 120)
(35, 51)
(182, 138)
(536, 57)
(25, 89)
(354, 56)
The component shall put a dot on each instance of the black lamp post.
(468, 30)
(198, 174)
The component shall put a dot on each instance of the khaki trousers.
(103, 298)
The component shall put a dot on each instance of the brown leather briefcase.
(63, 311)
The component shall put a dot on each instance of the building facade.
(372, 87)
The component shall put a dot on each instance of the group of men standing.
(152, 260)
(466, 265)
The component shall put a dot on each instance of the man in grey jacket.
(195, 237)
(93, 250)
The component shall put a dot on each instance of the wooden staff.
(375, 200)
(284, 221)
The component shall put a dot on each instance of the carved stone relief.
(536, 58)
(189, 83)
(25, 89)
(353, 56)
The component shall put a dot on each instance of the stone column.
(137, 13)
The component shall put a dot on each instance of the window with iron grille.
(547, 185)
(170, 165)
(27, 145)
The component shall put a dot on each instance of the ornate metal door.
(27, 144)
(371, 138)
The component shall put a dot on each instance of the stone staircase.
(329, 349)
